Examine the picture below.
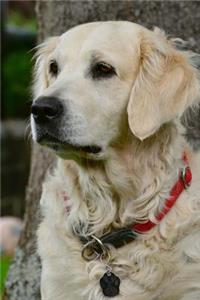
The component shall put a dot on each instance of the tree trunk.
(179, 18)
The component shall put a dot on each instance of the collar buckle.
(186, 183)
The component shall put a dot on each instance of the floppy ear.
(165, 86)
(40, 80)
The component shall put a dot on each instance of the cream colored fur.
(135, 118)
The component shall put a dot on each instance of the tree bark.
(179, 18)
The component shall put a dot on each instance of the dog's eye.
(102, 70)
(53, 68)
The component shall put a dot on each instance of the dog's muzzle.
(48, 114)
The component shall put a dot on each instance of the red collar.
(122, 236)
(183, 183)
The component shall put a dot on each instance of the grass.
(5, 262)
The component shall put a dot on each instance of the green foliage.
(16, 70)
(16, 19)
(17, 66)
(5, 262)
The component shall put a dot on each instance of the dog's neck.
(131, 184)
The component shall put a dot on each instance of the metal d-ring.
(94, 249)
(88, 253)
(183, 177)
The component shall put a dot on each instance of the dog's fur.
(134, 117)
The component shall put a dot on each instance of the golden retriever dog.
(121, 210)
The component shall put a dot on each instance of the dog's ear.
(165, 86)
(40, 78)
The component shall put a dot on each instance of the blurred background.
(18, 37)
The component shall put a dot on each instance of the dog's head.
(99, 80)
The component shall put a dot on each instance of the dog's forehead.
(111, 35)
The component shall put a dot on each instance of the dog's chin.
(67, 150)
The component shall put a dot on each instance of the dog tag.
(110, 284)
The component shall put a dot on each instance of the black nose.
(46, 109)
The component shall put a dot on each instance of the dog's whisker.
(28, 133)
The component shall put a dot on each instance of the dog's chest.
(142, 266)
